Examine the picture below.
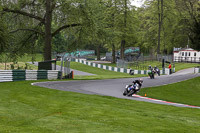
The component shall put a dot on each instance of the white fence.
(116, 69)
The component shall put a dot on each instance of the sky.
(137, 3)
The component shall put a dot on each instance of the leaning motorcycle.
(157, 70)
(131, 89)
(151, 74)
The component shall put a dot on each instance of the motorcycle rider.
(157, 70)
(139, 82)
(150, 67)
(132, 89)
(151, 72)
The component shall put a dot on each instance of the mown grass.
(28, 58)
(187, 92)
(19, 65)
(144, 65)
(26, 108)
(20, 62)
(181, 66)
(25, 58)
(100, 73)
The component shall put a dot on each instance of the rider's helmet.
(150, 67)
(141, 80)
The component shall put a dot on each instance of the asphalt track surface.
(115, 87)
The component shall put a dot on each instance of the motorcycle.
(131, 89)
(151, 74)
(157, 70)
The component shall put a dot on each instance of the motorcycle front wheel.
(125, 92)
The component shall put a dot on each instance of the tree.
(169, 31)
(160, 21)
(121, 26)
(42, 14)
(111, 14)
(4, 37)
(59, 43)
(191, 15)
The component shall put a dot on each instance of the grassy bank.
(144, 65)
(186, 92)
(26, 108)
(100, 73)
(19, 65)
(25, 58)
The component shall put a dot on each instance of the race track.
(115, 87)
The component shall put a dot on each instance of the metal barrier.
(116, 69)
(20, 75)
(197, 69)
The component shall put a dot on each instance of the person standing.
(170, 68)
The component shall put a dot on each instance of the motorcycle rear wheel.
(131, 93)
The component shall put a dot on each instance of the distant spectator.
(170, 68)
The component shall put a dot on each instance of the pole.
(61, 67)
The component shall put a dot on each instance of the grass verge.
(186, 92)
(26, 108)
(19, 65)
(178, 66)
(100, 73)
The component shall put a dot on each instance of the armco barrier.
(20, 75)
(122, 70)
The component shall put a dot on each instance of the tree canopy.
(60, 25)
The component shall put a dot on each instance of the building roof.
(184, 49)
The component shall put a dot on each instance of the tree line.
(29, 26)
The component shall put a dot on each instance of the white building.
(186, 55)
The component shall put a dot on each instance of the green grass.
(144, 66)
(25, 108)
(181, 66)
(28, 58)
(25, 58)
(19, 65)
(100, 73)
(20, 62)
(186, 92)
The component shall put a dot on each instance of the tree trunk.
(160, 21)
(113, 54)
(98, 52)
(48, 37)
(122, 49)
(123, 42)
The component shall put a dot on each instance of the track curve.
(115, 87)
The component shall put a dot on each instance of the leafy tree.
(121, 26)
(190, 12)
(4, 37)
(173, 31)
(59, 43)
(37, 17)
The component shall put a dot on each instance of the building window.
(185, 53)
(189, 54)
(182, 53)
(195, 54)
